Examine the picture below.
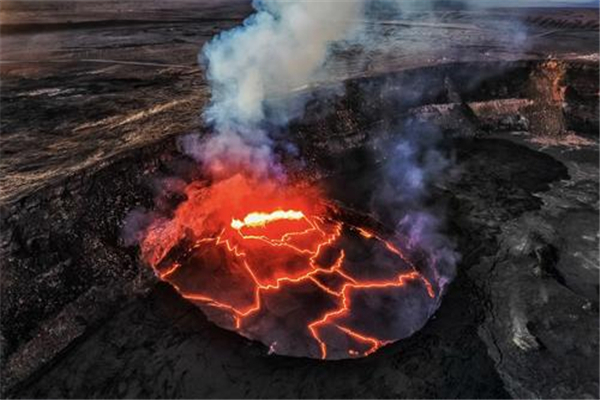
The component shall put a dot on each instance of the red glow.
(233, 243)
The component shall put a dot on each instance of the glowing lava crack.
(274, 266)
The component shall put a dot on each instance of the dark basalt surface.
(82, 318)
(493, 337)
(522, 311)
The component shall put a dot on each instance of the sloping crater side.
(519, 310)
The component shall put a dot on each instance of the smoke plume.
(413, 163)
(253, 69)
(257, 70)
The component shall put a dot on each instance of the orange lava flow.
(239, 251)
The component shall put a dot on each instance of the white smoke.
(277, 50)
(253, 71)
(257, 70)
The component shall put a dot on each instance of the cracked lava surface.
(275, 264)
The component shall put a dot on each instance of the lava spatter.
(272, 263)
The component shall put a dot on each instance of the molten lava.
(275, 264)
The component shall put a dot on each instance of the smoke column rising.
(253, 69)
(278, 49)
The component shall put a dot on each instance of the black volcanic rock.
(83, 134)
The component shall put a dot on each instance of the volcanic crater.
(305, 282)
(87, 319)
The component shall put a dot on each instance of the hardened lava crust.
(92, 106)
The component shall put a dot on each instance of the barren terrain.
(94, 95)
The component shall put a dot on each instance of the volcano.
(279, 264)
(93, 111)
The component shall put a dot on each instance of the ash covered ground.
(93, 96)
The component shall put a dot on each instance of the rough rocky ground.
(92, 99)
(85, 81)
(510, 325)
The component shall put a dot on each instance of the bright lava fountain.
(279, 265)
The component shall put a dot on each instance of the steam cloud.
(277, 50)
(256, 70)
(253, 69)
(413, 163)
